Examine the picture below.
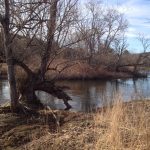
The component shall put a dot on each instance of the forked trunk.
(27, 92)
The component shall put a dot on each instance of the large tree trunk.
(9, 58)
(50, 38)
(29, 99)
(12, 84)
(27, 92)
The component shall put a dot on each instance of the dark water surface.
(88, 95)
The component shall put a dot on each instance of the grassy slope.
(123, 126)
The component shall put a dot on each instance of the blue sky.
(137, 12)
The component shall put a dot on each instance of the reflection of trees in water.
(4, 91)
(1, 93)
(141, 87)
(133, 88)
(101, 90)
(1, 89)
(89, 94)
(99, 93)
(110, 91)
(135, 85)
(87, 102)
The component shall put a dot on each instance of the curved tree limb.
(55, 91)
(24, 66)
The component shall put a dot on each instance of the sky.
(137, 12)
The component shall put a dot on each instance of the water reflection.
(87, 95)
(4, 91)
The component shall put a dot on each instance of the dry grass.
(3, 69)
(121, 126)
(125, 126)
(65, 69)
(82, 70)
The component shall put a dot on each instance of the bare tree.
(100, 28)
(5, 22)
(116, 25)
(49, 23)
(120, 46)
(145, 43)
(44, 29)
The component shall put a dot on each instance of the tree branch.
(24, 66)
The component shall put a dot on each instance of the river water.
(88, 95)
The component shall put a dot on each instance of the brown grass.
(127, 127)
(82, 70)
(3, 69)
(121, 126)
(73, 70)
(124, 126)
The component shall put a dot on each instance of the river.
(88, 95)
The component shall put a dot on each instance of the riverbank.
(121, 126)
(79, 71)
(83, 71)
